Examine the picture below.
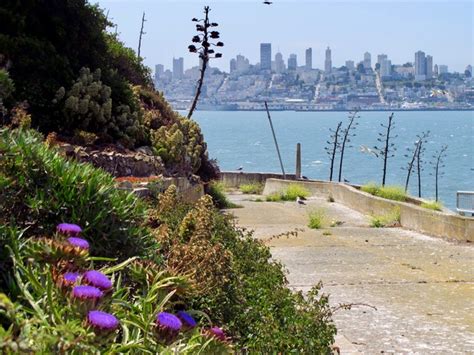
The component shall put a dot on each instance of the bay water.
(244, 139)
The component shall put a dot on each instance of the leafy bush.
(252, 188)
(253, 300)
(316, 219)
(391, 219)
(396, 193)
(289, 194)
(432, 205)
(40, 188)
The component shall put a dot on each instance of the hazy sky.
(443, 29)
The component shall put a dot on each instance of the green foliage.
(391, 219)
(6, 85)
(432, 205)
(217, 192)
(252, 297)
(289, 194)
(41, 189)
(56, 51)
(252, 188)
(316, 219)
(396, 193)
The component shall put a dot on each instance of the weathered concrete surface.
(237, 178)
(444, 225)
(422, 287)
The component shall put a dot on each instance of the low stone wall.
(237, 178)
(187, 190)
(438, 224)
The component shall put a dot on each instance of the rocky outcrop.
(117, 161)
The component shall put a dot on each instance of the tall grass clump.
(432, 205)
(289, 194)
(316, 219)
(391, 219)
(255, 188)
(216, 190)
(396, 193)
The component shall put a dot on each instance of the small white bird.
(240, 168)
(300, 201)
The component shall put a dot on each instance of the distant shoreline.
(360, 110)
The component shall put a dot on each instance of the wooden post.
(298, 161)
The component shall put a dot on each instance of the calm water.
(244, 139)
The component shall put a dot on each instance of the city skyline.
(442, 29)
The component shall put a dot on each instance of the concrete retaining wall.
(237, 178)
(438, 224)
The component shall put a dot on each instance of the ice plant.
(102, 320)
(187, 320)
(69, 229)
(168, 326)
(97, 279)
(87, 293)
(78, 243)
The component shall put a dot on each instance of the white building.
(367, 60)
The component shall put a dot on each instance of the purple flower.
(168, 320)
(218, 333)
(87, 292)
(97, 279)
(70, 278)
(69, 229)
(79, 243)
(187, 320)
(102, 320)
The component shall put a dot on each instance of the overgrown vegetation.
(254, 188)
(396, 193)
(289, 194)
(175, 257)
(391, 219)
(432, 205)
(216, 190)
(317, 219)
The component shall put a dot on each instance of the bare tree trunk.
(343, 147)
(333, 156)
(199, 88)
(141, 34)
(387, 142)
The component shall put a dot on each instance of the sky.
(443, 29)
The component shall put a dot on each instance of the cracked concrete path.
(422, 287)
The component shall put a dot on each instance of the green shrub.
(289, 194)
(316, 219)
(396, 193)
(42, 189)
(217, 191)
(391, 219)
(432, 205)
(255, 188)
(252, 298)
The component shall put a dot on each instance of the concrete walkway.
(422, 287)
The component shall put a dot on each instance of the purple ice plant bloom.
(69, 229)
(97, 279)
(186, 319)
(87, 292)
(79, 243)
(218, 333)
(169, 321)
(102, 320)
(70, 277)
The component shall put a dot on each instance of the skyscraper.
(381, 58)
(420, 65)
(233, 65)
(350, 65)
(292, 62)
(429, 67)
(443, 69)
(367, 61)
(178, 68)
(279, 63)
(242, 63)
(265, 56)
(309, 59)
(328, 61)
(159, 71)
(385, 67)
